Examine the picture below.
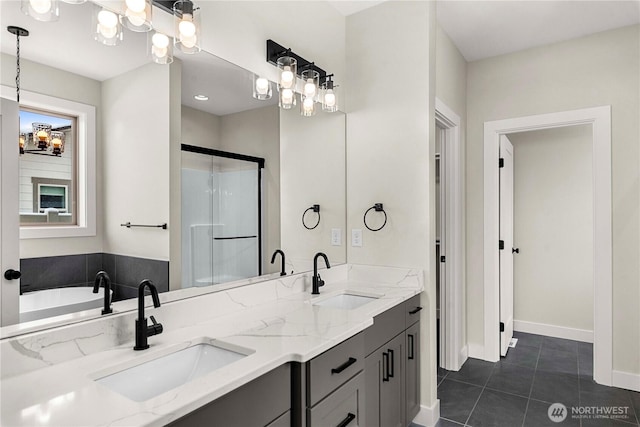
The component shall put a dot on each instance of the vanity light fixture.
(57, 142)
(160, 48)
(201, 97)
(137, 15)
(261, 88)
(187, 30)
(22, 141)
(108, 29)
(41, 10)
(289, 63)
(41, 135)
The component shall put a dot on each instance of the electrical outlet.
(356, 237)
(336, 237)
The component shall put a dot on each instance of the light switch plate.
(336, 237)
(356, 237)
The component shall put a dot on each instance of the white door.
(9, 217)
(506, 244)
(441, 233)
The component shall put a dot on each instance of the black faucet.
(103, 277)
(317, 280)
(273, 259)
(142, 330)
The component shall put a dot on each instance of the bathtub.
(54, 302)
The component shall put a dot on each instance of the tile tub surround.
(125, 272)
(274, 318)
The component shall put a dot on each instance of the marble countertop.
(284, 329)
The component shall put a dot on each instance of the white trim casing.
(626, 380)
(600, 119)
(428, 416)
(452, 316)
(86, 176)
(553, 331)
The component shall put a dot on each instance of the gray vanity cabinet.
(392, 376)
(265, 401)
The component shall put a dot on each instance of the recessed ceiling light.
(201, 97)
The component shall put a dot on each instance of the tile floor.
(518, 390)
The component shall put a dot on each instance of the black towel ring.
(314, 208)
(378, 208)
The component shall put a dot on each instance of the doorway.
(600, 119)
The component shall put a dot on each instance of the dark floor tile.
(511, 379)
(603, 422)
(457, 399)
(635, 401)
(522, 356)
(585, 348)
(585, 365)
(561, 344)
(442, 372)
(447, 423)
(498, 409)
(529, 340)
(558, 361)
(593, 394)
(538, 416)
(555, 387)
(473, 371)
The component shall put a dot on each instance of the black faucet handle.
(320, 281)
(155, 328)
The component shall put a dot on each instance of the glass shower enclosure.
(221, 216)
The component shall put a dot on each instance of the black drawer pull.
(344, 366)
(415, 310)
(411, 344)
(385, 366)
(391, 363)
(347, 420)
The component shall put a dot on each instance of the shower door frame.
(237, 156)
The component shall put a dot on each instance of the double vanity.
(268, 353)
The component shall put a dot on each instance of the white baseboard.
(553, 331)
(464, 355)
(476, 351)
(626, 380)
(428, 416)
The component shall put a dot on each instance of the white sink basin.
(345, 301)
(154, 377)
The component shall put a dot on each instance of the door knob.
(12, 274)
(515, 250)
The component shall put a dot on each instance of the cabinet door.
(392, 386)
(372, 381)
(412, 375)
(344, 407)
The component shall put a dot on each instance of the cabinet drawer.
(385, 326)
(283, 420)
(344, 407)
(334, 367)
(413, 309)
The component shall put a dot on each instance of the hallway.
(517, 390)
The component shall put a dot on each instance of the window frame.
(85, 164)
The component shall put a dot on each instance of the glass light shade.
(160, 48)
(137, 15)
(288, 72)
(108, 29)
(310, 81)
(57, 142)
(187, 30)
(307, 107)
(261, 88)
(329, 100)
(287, 99)
(41, 135)
(41, 10)
(22, 141)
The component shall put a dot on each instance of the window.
(57, 176)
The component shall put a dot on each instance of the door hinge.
(501, 162)
(442, 258)
(501, 326)
(501, 244)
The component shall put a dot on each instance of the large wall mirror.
(184, 145)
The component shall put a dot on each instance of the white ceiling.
(482, 29)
